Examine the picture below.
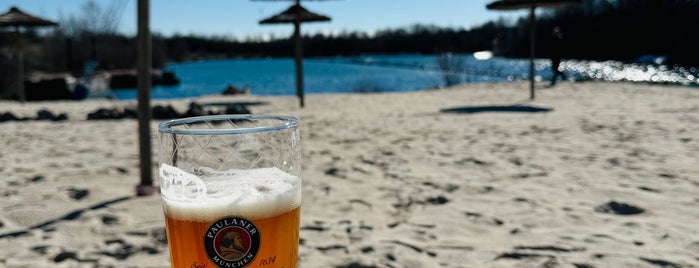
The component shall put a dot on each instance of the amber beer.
(248, 221)
(280, 250)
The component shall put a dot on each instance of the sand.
(589, 174)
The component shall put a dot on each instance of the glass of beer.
(231, 190)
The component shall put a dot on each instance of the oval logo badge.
(232, 242)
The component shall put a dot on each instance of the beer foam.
(253, 194)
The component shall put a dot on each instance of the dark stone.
(164, 112)
(159, 112)
(105, 114)
(44, 115)
(8, 116)
(237, 109)
(130, 113)
(60, 117)
(233, 90)
(48, 115)
(195, 109)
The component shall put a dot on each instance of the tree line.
(596, 29)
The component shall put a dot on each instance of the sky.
(239, 18)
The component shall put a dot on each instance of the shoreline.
(592, 174)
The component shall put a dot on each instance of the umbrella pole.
(143, 44)
(20, 66)
(20, 76)
(532, 44)
(298, 55)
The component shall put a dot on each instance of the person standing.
(557, 43)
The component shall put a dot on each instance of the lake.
(390, 73)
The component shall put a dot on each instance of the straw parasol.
(289, 16)
(296, 14)
(531, 5)
(17, 18)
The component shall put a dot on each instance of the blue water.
(387, 74)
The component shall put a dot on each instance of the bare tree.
(95, 19)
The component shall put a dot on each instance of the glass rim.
(286, 122)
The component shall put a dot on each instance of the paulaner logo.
(232, 242)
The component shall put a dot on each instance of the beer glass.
(231, 190)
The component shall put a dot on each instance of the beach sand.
(589, 174)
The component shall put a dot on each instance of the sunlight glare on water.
(392, 73)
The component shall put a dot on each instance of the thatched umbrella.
(17, 18)
(531, 5)
(296, 14)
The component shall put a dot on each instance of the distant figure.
(557, 43)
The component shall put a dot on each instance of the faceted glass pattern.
(231, 142)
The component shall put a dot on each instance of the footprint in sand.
(438, 200)
(661, 263)
(110, 220)
(77, 193)
(65, 255)
(35, 179)
(617, 208)
(479, 218)
(355, 265)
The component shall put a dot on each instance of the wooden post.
(298, 54)
(532, 44)
(20, 66)
(143, 45)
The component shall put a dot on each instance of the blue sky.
(240, 17)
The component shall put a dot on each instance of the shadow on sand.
(244, 103)
(68, 217)
(497, 109)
